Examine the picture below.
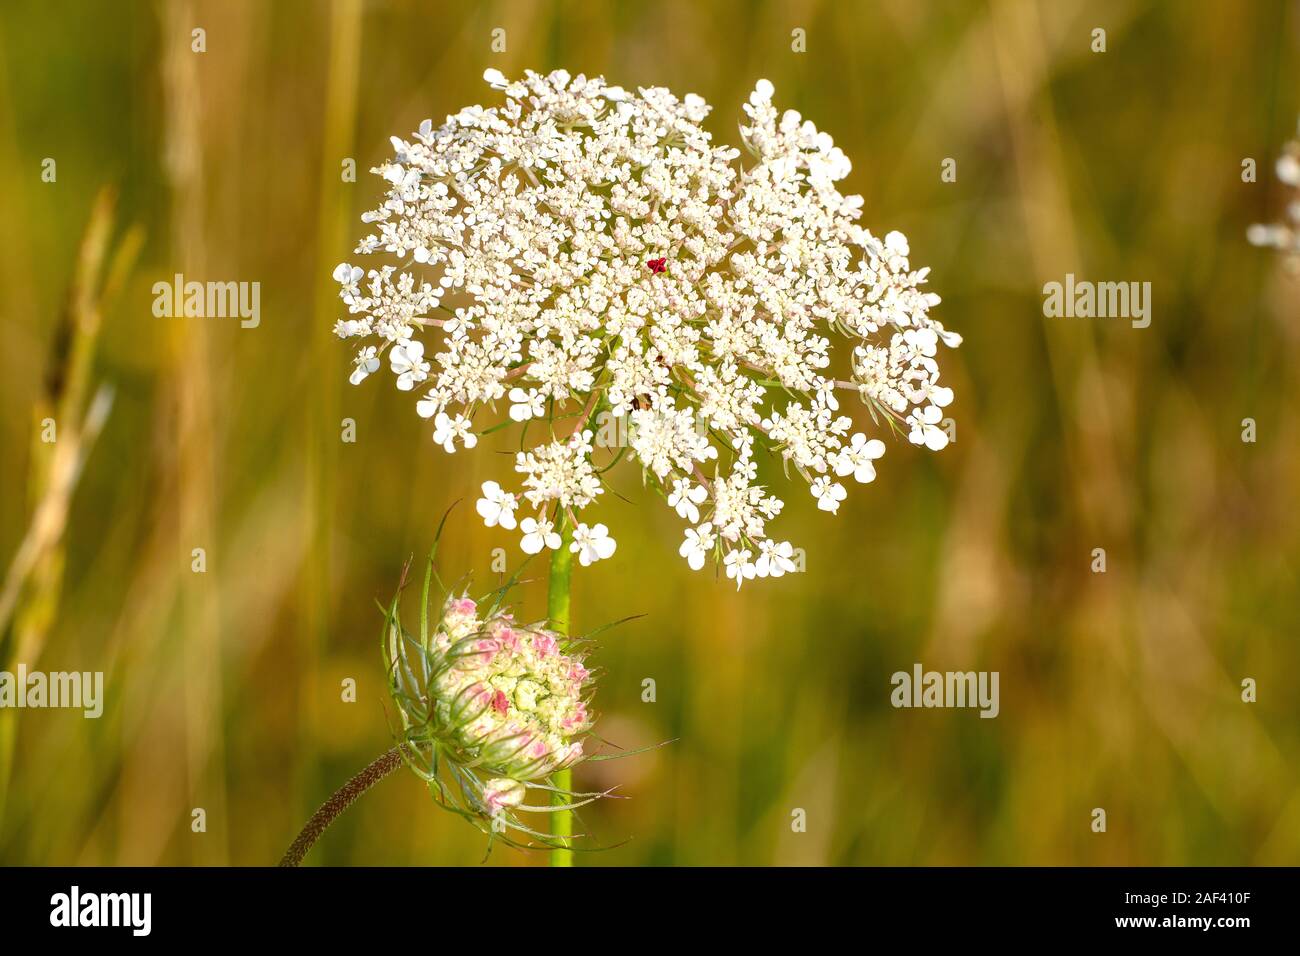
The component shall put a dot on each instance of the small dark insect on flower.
(658, 265)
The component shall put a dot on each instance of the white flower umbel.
(583, 250)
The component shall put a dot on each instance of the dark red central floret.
(658, 265)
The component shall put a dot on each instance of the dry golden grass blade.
(64, 430)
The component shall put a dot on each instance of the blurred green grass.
(1118, 690)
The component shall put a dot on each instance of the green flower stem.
(557, 609)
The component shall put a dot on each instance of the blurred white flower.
(925, 428)
(1288, 169)
(347, 274)
(365, 363)
(687, 499)
(738, 567)
(526, 404)
(699, 542)
(538, 533)
(775, 559)
(446, 430)
(497, 507)
(858, 459)
(592, 544)
(406, 359)
(429, 406)
(829, 494)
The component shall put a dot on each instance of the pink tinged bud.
(502, 792)
(500, 704)
(545, 645)
(465, 702)
(578, 717)
(524, 744)
(458, 617)
(570, 755)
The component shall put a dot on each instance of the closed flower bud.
(495, 705)
(502, 792)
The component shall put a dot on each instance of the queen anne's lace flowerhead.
(490, 708)
(504, 696)
(581, 250)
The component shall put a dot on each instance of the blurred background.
(1119, 690)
